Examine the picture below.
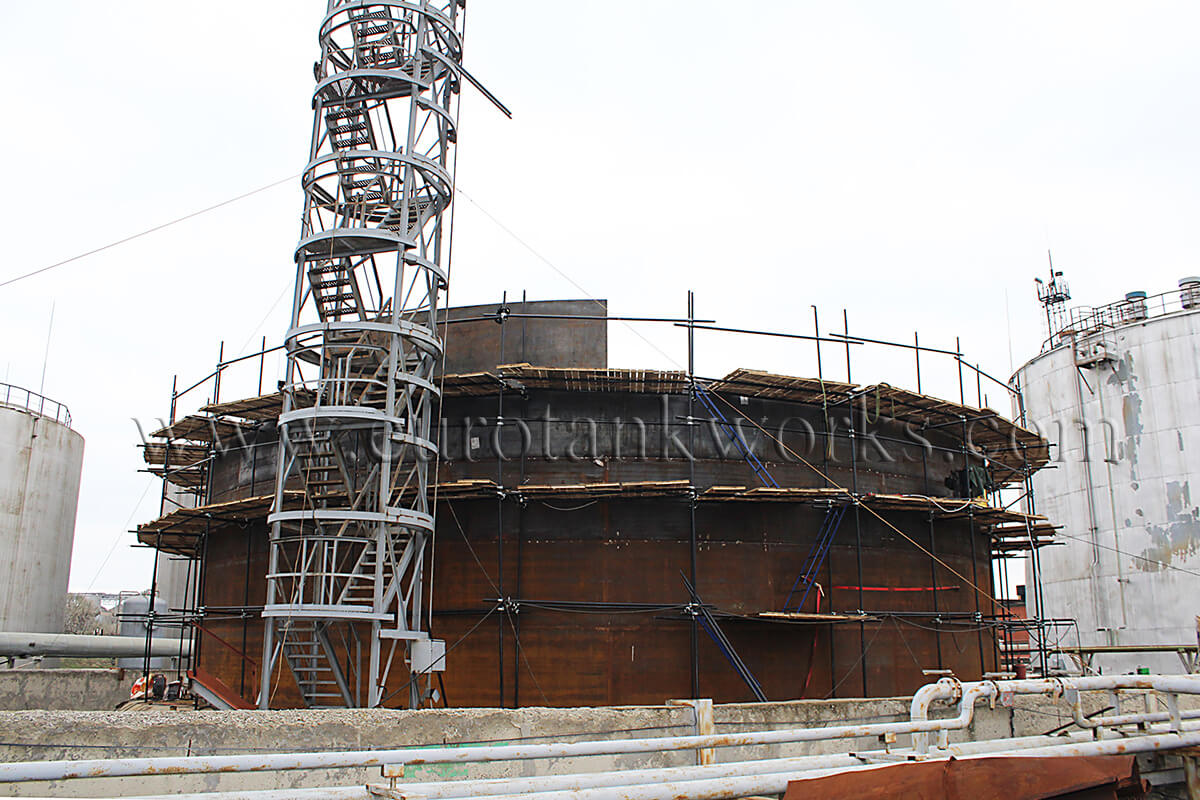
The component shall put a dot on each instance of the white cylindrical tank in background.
(41, 459)
(1119, 393)
(174, 575)
(132, 615)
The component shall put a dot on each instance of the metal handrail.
(1083, 320)
(18, 397)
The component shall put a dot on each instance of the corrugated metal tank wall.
(1121, 403)
(40, 465)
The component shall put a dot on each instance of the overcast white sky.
(909, 162)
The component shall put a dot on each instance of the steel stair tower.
(346, 591)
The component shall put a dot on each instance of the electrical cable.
(854, 666)
(120, 536)
(1121, 552)
(449, 650)
(471, 550)
(904, 641)
(525, 658)
(570, 508)
(175, 221)
(604, 612)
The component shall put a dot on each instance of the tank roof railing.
(1134, 307)
(20, 398)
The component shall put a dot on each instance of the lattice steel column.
(345, 579)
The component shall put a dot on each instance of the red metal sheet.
(1001, 778)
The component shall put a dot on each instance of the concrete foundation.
(64, 689)
(36, 735)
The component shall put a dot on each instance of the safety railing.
(1135, 307)
(18, 397)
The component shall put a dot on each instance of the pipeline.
(684, 782)
(123, 767)
(25, 645)
(945, 690)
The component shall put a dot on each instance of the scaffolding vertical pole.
(966, 452)
(917, 355)
(826, 448)
(692, 544)
(862, 628)
(962, 398)
(846, 330)
(827, 443)
(502, 617)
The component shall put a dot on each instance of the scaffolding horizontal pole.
(685, 324)
(500, 317)
(843, 338)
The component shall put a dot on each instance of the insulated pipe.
(804, 767)
(99, 768)
(445, 790)
(946, 689)
(971, 692)
(1167, 684)
(454, 790)
(967, 694)
(1070, 688)
(24, 645)
(777, 782)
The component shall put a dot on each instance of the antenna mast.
(1054, 296)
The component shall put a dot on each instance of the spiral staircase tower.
(346, 577)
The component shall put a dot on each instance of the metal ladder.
(760, 471)
(816, 556)
(309, 655)
(335, 289)
(375, 38)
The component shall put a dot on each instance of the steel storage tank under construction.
(1116, 387)
(41, 459)
(570, 515)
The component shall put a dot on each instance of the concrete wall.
(1128, 436)
(75, 735)
(40, 465)
(64, 689)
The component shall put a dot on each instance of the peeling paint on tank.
(1125, 379)
(1180, 435)
(1178, 538)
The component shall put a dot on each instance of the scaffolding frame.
(1020, 538)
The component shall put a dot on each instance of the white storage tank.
(41, 459)
(1118, 390)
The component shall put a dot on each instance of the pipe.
(454, 790)
(98, 768)
(801, 767)
(946, 689)
(777, 782)
(768, 783)
(449, 790)
(970, 693)
(24, 645)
